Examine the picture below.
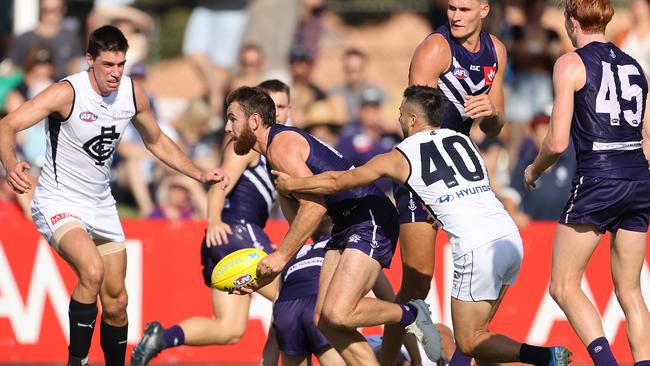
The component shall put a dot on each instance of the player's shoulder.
(568, 63)
(498, 45)
(287, 141)
(434, 43)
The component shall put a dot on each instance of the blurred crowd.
(237, 42)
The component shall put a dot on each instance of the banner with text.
(165, 284)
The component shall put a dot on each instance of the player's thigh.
(232, 309)
(355, 275)
(78, 249)
(330, 264)
(330, 357)
(572, 248)
(628, 251)
(418, 247)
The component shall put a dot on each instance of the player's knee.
(115, 308)
(465, 344)
(560, 288)
(92, 276)
(627, 293)
(336, 318)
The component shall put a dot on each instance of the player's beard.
(245, 142)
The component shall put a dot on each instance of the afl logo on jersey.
(88, 116)
(461, 73)
(489, 72)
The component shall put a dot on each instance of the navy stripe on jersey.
(469, 73)
(54, 127)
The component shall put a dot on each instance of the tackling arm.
(163, 147)
(391, 164)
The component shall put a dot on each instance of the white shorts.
(480, 274)
(100, 220)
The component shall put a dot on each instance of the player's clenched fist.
(17, 178)
(215, 176)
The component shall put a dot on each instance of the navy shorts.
(609, 204)
(293, 321)
(372, 229)
(409, 208)
(244, 235)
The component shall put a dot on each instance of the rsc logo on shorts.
(242, 280)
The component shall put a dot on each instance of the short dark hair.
(106, 38)
(254, 100)
(275, 86)
(429, 99)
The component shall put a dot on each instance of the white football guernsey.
(449, 176)
(80, 147)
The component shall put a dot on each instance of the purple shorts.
(293, 321)
(372, 231)
(409, 208)
(244, 235)
(609, 204)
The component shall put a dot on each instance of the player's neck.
(472, 42)
(422, 128)
(262, 144)
(584, 39)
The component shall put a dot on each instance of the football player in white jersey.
(73, 207)
(445, 171)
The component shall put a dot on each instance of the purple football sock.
(409, 313)
(460, 359)
(642, 363)
(174, 336)
(601, 353)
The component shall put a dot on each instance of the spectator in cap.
(346, 97)
(369, 134)
(303, 90)
(546, 202)
(320, 122)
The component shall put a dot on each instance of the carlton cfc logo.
(461, 73)
(88, 116)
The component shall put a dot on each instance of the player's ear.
(89, 59)
(254, 121)
(485, 9)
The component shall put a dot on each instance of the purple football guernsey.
(611, 187)
(251, 198)
(608, 115)
(300, 277)
(470, 73)
(364, 218)
(246, 210)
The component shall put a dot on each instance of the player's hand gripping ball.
(237, 269)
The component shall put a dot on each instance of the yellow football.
(237, 269)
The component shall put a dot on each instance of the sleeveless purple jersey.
(608, 115)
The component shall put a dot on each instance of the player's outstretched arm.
(391, 164)
(233, 166)
(56, 99)
(568, 77)
(431, 58)
(164, 148)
